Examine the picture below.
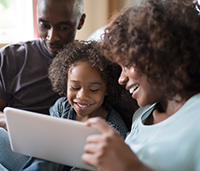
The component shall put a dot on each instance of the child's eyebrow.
(89, 83)
(95, 83)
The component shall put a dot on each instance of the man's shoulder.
(31, 47)
(23, 45)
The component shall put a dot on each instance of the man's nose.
(53, 35)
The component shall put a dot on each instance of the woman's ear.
(81, 22)
(106, 93)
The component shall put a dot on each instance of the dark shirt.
(24, 82)
(63, 109)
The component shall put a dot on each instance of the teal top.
(170, 145)
(63, 109)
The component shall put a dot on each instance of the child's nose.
(82, 94)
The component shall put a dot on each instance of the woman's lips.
(133, 88)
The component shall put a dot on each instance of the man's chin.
(53, 54)
(52, 50)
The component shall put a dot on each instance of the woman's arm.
(108, 152)
(3, 104)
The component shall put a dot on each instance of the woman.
(157, 46)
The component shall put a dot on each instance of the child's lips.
(83, 105)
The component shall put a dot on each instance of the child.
(90, 83)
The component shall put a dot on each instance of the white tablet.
(55, 139)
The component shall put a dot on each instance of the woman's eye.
(127, 65)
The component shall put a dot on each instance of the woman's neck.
(167, 107)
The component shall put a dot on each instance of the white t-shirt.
(97, 34)
(171, 145)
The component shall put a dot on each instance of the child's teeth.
(82, 105)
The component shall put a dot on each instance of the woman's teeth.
(132, 89)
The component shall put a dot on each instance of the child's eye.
(74, 88)
(95, 90)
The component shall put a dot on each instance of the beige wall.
(96, 16)
(1, 45)
(98, 13)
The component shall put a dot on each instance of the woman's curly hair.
(85, 51)
(162, 40)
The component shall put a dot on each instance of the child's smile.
(83, 105)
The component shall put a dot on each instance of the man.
(24, 79)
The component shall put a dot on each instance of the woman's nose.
(123, 77)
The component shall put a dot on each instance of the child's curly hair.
(85, 51)
(162, 39)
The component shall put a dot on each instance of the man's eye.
(43, 25)
(64, 27)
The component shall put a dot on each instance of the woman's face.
(136, 83)
(85, 90)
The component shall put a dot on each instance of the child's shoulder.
(116, 121)
(61, 100)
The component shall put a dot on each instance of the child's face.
(86, 90)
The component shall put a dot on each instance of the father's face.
(57, 23)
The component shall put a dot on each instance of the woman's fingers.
(100, 123)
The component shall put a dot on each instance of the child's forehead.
(82, 62)
(84, 69)
(82, 65)
(84, 73)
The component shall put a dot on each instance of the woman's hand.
(107, 151)
(3, 121)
